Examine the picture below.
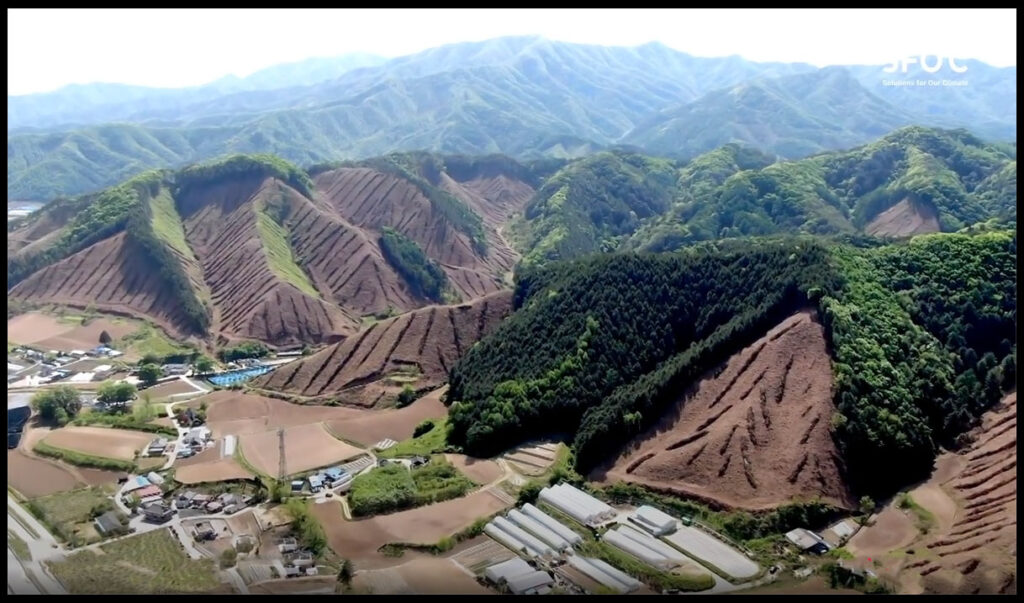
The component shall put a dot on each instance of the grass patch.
(279, 254)
(429, 443)
(167, 224)
(19, 546)
(923, 518)
(66, 512)
(125, 421)
(655, 578)
(149, 340)
(81, 459)
(153, 562)
(396, 487)
(144, 411)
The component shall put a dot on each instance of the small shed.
(108, 523)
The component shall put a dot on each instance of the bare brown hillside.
(753, 435)
(964, 538)
(249, 300)
(904, 219)
(111, 276)
(416, 348)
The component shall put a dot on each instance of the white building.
(510, 541)
(523, 536)
(604, 574)
(654, 521)
(539, 530)
(577, 504)
(551, 523)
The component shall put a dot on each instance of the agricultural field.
(481, 471)
(163, 391)
(533, 460)
(153, 562)
(424, 444)
(371, 426)
(360, 540)
(356, 371)
(69, 514)
(956, 532)
(66, 332)
(753, 435)
(34, 477)
(422, 576)
(305, 447)
(237, 413)
(118, 444)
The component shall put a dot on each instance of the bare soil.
(305, 447)
(753, 434)
(211, 471)
(359, 540)
(481, 471)
(37, 477)
(904, 219)
(368, 427)
(120, 444)
(424, 344)
(31, 328)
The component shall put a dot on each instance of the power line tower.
(280, 467)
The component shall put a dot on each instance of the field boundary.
(81, 459)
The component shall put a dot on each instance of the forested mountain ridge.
(526, 97)
(599, 347)
(912, 180)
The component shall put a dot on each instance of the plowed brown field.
(753, 435)
(100, 441)
(305, 447)
(359, 540)
(426, 342)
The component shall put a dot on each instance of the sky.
(50, 48)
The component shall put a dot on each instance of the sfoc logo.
(930, 63)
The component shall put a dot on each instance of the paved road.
(31, 576)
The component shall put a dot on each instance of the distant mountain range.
(526, 97)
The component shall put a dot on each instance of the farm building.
(300, 559)
(108, 523)
(204, 531)
(316, 482)
(508, 540)
(157, 447)
(157, 512)
(577, 504)
(653, 521)
(519, 577)
(184, 500)
(77, 354)
(644, 548)
(197, 436)
(536, 528)
(604, 574)
(139, 482)
(149, 491)
(806, 540)
(552, 524)
(287, 545)
(297, 485)
(154, 478)
(839, 532)
(228, 448)
(531, 541)
(174, 369)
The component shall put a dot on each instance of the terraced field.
(422, 344)
(977, 553)
(753, 435)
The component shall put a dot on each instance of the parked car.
(185, 453)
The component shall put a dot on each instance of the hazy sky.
(47, 49)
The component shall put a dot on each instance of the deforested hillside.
(921, 336)
(754, 433)
(416, 349)
(414, 196)
(250, 248)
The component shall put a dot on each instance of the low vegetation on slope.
(423, 276)
(274, 238)
(600, 347)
